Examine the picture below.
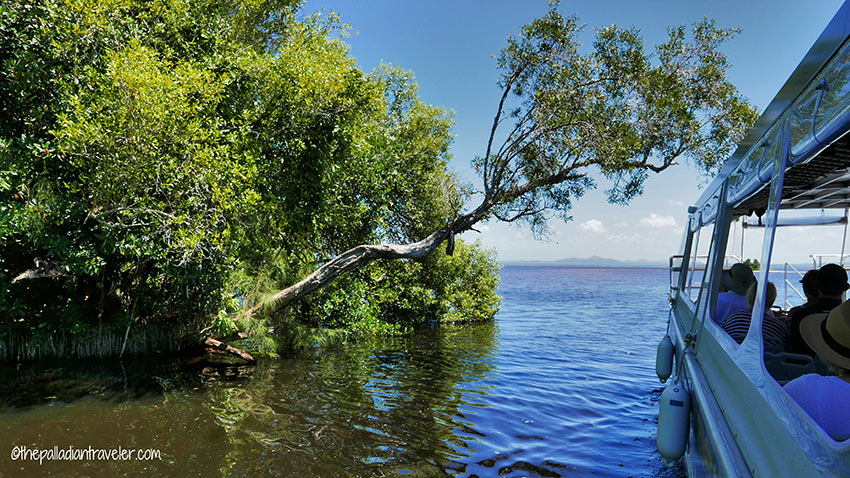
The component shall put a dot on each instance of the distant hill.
(604, 262)
(593, 261)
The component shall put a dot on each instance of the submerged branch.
(218, 345)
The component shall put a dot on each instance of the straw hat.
(738, 279)
(829, 335)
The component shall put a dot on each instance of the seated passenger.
(737, 279)
(810, 290)
(831, 282)
(774, 330)
(825, 398)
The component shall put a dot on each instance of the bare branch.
(497, 120)
(42, 270)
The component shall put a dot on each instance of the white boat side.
(797, 156)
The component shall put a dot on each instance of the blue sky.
(449, 45)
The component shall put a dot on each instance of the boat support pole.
(844, 239)
(742, 238)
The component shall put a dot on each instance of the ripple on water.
(562, 385)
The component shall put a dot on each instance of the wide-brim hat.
(738, 279)
(829, 334)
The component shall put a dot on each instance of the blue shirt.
(728, 303)
(825, 399)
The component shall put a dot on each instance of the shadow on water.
(563, 386)
(53, 382)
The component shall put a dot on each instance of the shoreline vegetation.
(194, 172)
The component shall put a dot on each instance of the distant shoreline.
(614, 264)
(560, 266)
(592, 262)
(582, 266)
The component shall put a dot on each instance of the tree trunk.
(359, 256)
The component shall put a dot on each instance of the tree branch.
(496, 121)
(218, 345)
(361, 255)
(42, 270)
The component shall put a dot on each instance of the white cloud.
(622, 225)
(654, 220)
(624, 237)
(675, 203)
(593, 225)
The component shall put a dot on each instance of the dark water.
(561, 385)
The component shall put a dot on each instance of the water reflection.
(369, 409)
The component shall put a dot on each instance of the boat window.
(695, 279)
(741, 311)
(733, 253)
(824, 234)
(735, 242)
(835, 87)
(801, 117)
(819, 109)
(805, 239)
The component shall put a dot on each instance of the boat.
(796, 159)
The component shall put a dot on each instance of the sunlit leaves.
(611, 107)
(173, 155)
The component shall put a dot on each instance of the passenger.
(737, 279)
(774, 330)
(825, 398)
(831, 283)
(810, 289)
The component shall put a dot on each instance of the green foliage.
(615, 108)
(465, 283)
(753, 263)
(178, 160)
(386, 297)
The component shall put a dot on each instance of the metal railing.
(790, 274)
(817, 259)
(788, 284)
(676, 267)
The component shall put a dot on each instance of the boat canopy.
(801, 221)
(806, 125)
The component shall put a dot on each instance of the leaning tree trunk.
(359, 256)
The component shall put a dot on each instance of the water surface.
(561, 385)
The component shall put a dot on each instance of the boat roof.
(820, 180)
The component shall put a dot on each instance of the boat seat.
(786, 366)
(822, 368)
